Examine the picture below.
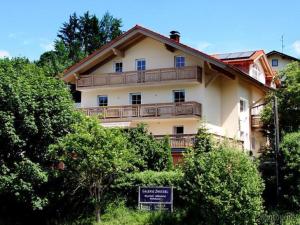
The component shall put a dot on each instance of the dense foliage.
(94, 157)
(222, 187)
(35, 110)
(288, 96)
(153, 154)
(77, 38)
(290, 169)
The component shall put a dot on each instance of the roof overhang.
(118, 46)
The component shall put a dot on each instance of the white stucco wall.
(220, 99)
(281, 62)
(155, 53)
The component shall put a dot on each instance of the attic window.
(118, 67)
(179, 61)
(274, 62)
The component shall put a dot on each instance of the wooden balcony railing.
(191, 73)
(188, 140)
(179, 141)
(158, 110)
(256, 121)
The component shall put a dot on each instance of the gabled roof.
(137, 33)
(282, 55)
(246, 58)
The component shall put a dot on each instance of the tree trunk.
(97, 211)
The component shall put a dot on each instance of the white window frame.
(98, 100)
(130, 97)
(181, 90)
(136, 64)
(181, 63)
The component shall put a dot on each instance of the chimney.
(175, 35)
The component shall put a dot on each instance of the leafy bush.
(290, 170)
(278, 217)
(222, 187)
(94, 157)
(154, 154)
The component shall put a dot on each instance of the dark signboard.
(156, 198)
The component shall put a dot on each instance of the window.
(178, 130)
(102, 100)
(140, 64)
(243, 106)
(135, 98)
(118, 67)
(179, 61)
(179, 95)
(275, 62)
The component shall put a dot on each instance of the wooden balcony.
(188, 73)
(256, 121)
(187, 140)
(179, 141)
(159, 110)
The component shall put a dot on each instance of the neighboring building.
(143, 76)
(279, 60)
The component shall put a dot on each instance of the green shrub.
(290, 170)
(153, 154)
(278, 217)
(222, 187)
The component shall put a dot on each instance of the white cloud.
(296, 47)
(47, 46)
(202, 45)
(4, 54)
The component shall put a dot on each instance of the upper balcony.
(145, 111)
(158, 76)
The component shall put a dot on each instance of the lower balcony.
(145, 111)
(179, 141)
(256, 121)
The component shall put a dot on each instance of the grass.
(119, 214)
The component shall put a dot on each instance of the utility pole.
(276, 144)
(282, 44)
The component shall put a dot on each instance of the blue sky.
(28, 28)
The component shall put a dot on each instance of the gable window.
(179, 95)
(102, 100)
(274, 62)
(178, 130)
(118, 67)
(140, 64)
(179, 61)
(135, 98)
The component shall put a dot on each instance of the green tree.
(95, 157)
(56, 61)
(203, 141)
(288, 96)
(69, 34)
(90, 33)
(110, 28)
(153, 154)
(35, 110)
(222, 186)
(290, 169)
